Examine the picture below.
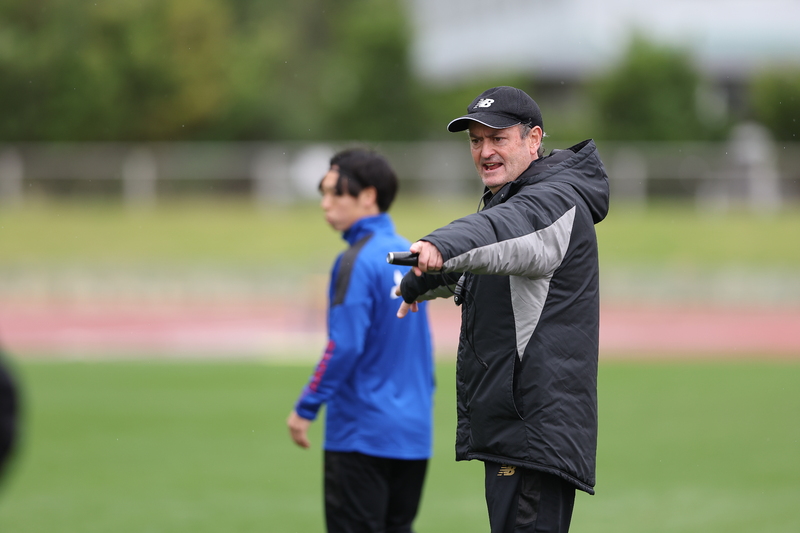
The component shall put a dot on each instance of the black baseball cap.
(499, 108)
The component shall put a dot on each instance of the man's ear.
(368, 196)
(535, 138)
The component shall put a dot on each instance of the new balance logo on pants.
(506, 470)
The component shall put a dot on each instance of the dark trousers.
(527, 501)
(371, 494)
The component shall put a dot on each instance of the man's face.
(342, 211)
(502, 155)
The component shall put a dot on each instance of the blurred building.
(561, 43)
(568, 40)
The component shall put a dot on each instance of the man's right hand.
(429, 260)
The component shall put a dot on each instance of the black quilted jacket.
(527, 357)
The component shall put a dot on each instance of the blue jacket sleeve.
(348, 324)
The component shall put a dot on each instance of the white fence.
(749, 169)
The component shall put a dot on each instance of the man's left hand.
(298, 429)
(405, 307)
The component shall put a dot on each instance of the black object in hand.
(402, 258)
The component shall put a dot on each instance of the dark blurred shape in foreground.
(9, 410)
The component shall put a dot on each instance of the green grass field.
(160, 446)
(238, 234)
(192, 447)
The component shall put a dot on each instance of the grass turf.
(237, 234)
(157, 446)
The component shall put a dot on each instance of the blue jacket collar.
(366, 226)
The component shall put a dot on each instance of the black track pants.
(371, 494)
(527, 501)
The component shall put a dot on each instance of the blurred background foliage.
(776, 102)
(150, 70)
(655, 94)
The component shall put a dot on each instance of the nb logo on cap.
(485, 102)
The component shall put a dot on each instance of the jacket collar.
(535, 172)
(366, 226)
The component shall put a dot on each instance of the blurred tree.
(205, 69)
(775, 99)
(127, 70)
(321, 69)
(653, 95)
(368, 88)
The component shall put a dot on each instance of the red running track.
(280, 329)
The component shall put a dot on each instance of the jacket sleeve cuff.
(306, 411)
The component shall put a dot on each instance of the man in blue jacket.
(376, 374)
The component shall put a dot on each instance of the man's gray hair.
(525, 130)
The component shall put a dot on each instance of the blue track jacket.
(376, 375)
